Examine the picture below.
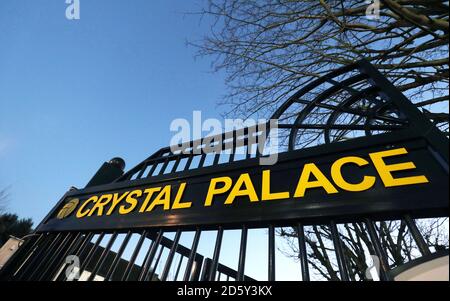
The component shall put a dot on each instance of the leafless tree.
(271, 48)
(395, 238)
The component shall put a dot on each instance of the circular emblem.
(68, 208)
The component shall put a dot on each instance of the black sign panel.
(368, 176)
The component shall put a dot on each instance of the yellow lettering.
(213, 190)
(116, 200)
(163, 198)
(102, 201)
(130, 200)
(385, 171)
(266, 195)
(80, 212)
(177, 202)
(336, 174)
(243, 180)
(321, 181)
(149, 192)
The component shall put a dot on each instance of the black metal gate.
(354, 107)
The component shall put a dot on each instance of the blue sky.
(75, 93)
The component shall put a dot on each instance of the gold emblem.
(68, 208)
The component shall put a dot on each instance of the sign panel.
(378, 180)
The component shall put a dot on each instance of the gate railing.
(43, 256)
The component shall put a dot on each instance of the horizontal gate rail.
(103, 262)
(381, 116)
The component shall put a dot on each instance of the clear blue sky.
(74, 94)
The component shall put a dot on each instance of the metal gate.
(352, 108)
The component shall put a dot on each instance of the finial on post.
(108, 172)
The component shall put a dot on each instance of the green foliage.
(10, 224)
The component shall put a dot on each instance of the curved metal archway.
(350, 102)
(341, 105)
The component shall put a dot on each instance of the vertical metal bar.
(379, 251)
(343, 270)
(187, 272)
(91, 253)
(152, 271)
(85, 244)
(261, 141)
(195, 275)
(257, 152)
(233, 149)
(220, 150)
(59, 266)
(36, 256)
(152, 169)
(206, 269)
(15, 265)
(130, 265)
(202, 160)
(164, 166)
(18, 259)
(170, 256)
(302, 252)
(215, 260)
(146, 258)
(218, 276)
(150, 255)
(116, 260)
(80, 252)
(188, 162)
(47, 256)
(242, 253)
(249, 152)
(216, 158)
(141, 172)
(178, 267)
(103, 256)
(271, 264)
(55, 255)
(421, 243)
(175, 165)
(50, 252)
(246, 143)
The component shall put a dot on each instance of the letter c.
(336, 174)
(80, 212)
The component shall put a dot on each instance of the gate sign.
(317, 183)
(399, 167)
